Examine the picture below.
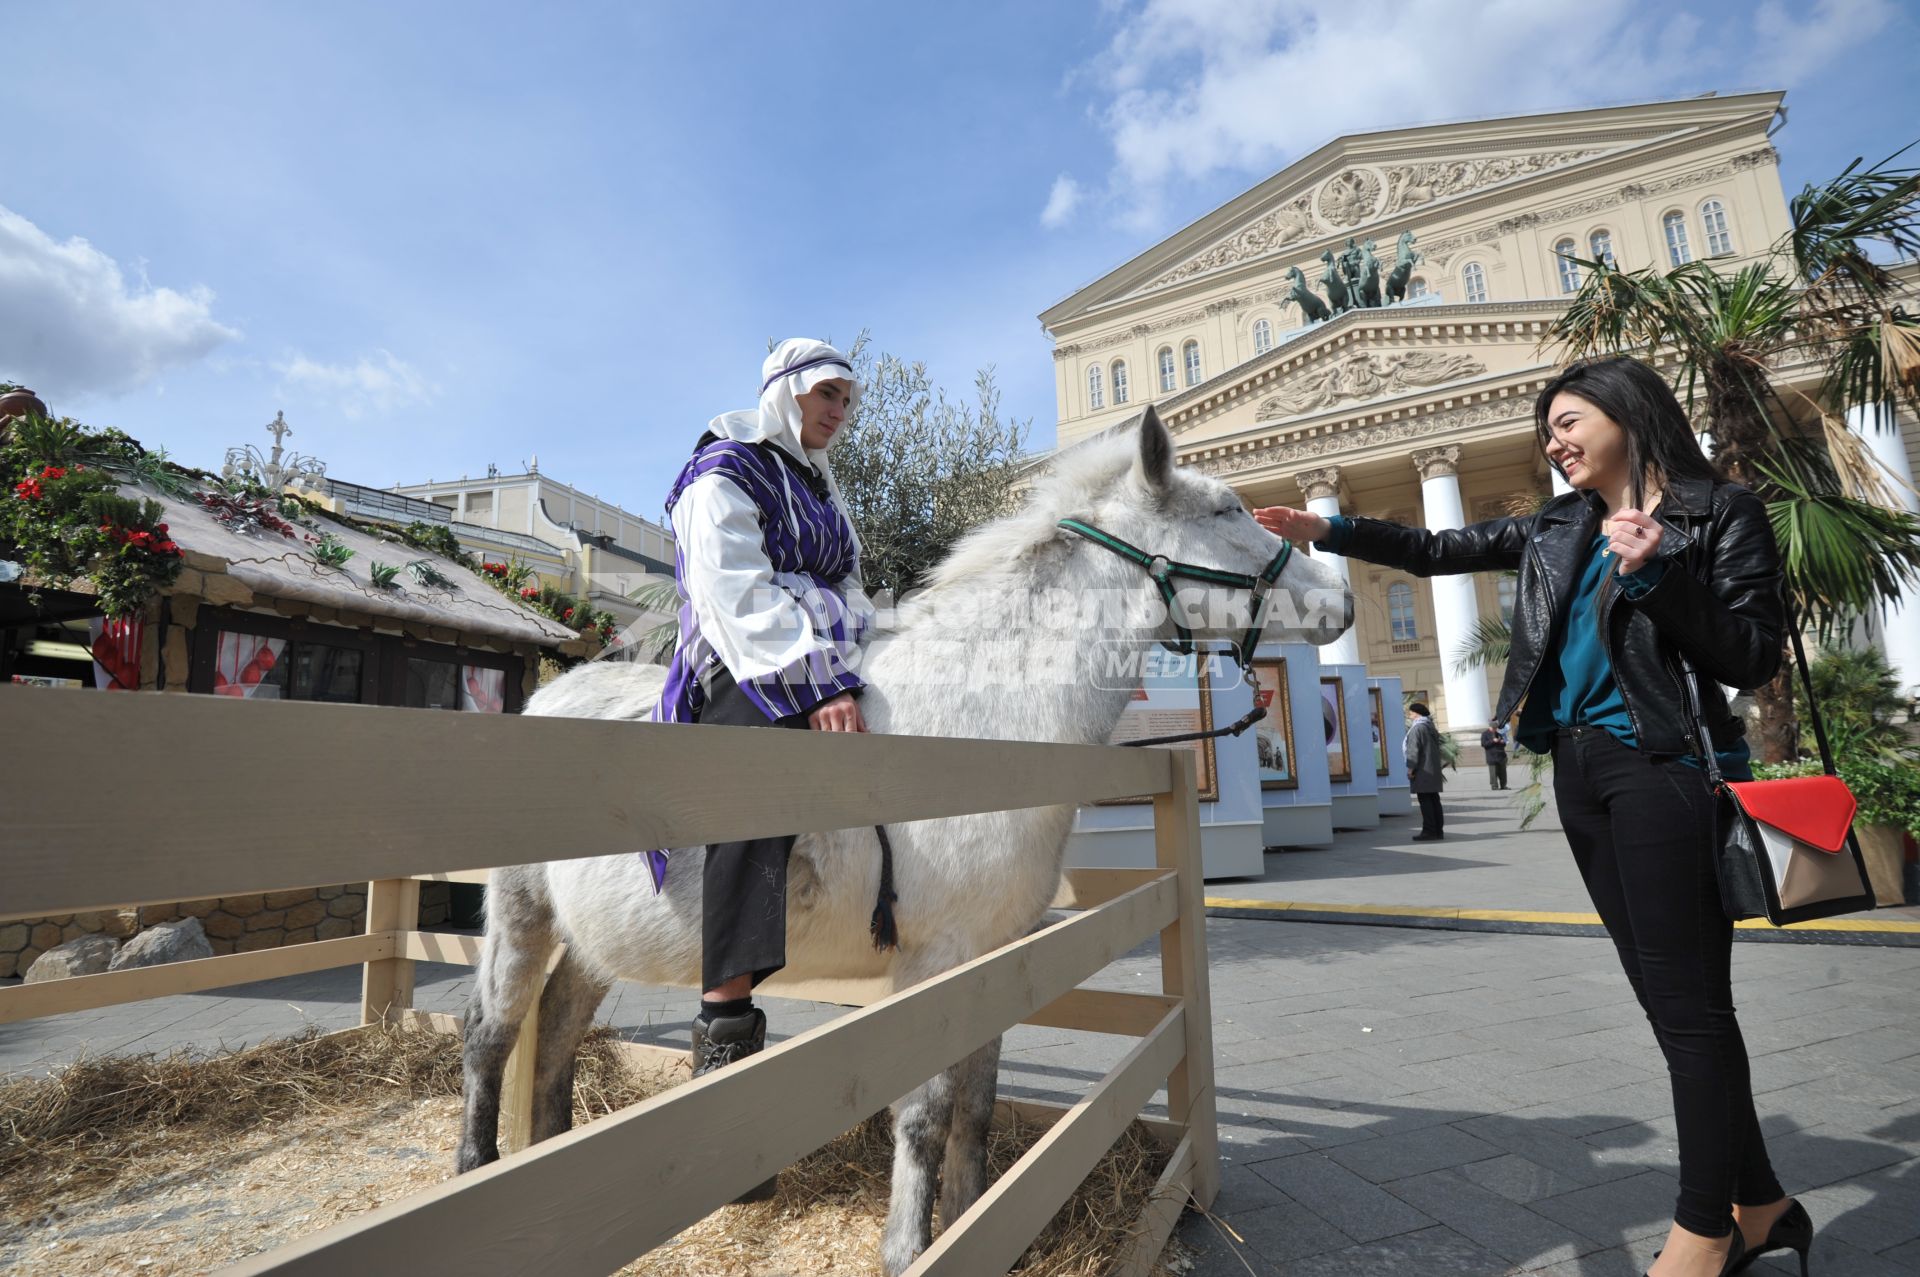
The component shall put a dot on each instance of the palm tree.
(1816, 299)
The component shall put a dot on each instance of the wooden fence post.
(1183, 973)
(386, 987)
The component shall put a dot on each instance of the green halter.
(1163, 571)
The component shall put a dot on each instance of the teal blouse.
(1578, 690)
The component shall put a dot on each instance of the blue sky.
(443, 235)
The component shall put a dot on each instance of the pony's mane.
(1074, 481)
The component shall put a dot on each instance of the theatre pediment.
(1364, 375)
(1357, 195)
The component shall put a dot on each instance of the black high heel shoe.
(1792, 1231)
(1738, 1257)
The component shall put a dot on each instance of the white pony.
(1027, 592)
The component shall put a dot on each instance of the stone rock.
(242, 906)
(14, 936)
(299, 935)
(89, 955)
(335, 929)
(9, 965)
(347, 906)
(25, 958)
(328, 893)
(154, 915)
(46, 935)
(288, 899)
(306, 915)
(255, 941)
(168, 942)
(271, 918)
(201, 909)
(224, 926)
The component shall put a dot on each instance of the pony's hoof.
(472, 1159)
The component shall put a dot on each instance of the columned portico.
(1322, 489)
(1899, 625)
(1455, 611)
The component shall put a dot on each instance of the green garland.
(61, 509)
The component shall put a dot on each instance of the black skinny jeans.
(1642, 834)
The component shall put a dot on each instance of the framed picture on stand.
(1273, 735)
(1175, 696)
(1333, 721)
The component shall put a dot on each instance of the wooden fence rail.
(224, 804)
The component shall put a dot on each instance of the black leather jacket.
(1718, 600)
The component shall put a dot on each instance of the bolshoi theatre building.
(1414, 402)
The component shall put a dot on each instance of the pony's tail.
(883, 929)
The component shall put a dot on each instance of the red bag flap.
(1815, 809)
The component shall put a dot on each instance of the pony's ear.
(1155, 462)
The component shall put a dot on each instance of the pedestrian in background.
(1423, 771)
(1493, 742)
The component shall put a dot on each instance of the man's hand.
(838, 714)
(1294, 525)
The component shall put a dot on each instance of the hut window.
(249, 665)
(432, 684)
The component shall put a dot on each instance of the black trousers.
(1642, 834)
(1433, 821)
(743, 902)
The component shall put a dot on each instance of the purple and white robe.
(769, 580)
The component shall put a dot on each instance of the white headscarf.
(796, 366)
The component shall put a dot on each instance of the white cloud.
(1061, 202)
(1195, 88)
(380, 382)
(1793, 51)
(70, 325)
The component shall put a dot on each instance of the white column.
(1560, 485)
(1455, 609)
(1322, 488)
(1899, 624)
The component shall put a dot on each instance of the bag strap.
(1813, 704)
(1696, 710)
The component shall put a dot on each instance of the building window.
(480, 503)
(1416, 287)
(1569, 269)
(1600, 247)
(1400, 613)
(1505, 590)
(1262, 336)
(1675, 225)
(1473, 279)
(1119, 381)
(1096, 388)
(1167, 381)
(1192, 353)
(1713, 218)
(447, 499)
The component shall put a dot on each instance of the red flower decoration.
(28, 491)
(529, 593)
(568, 615)
(53, 472)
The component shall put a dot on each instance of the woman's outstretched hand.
(1294, 525)
(840, 714)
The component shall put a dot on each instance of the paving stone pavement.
(1391, 1100)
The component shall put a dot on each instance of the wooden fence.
(117, 800)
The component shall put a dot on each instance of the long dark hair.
(1660, 439)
